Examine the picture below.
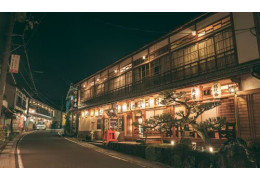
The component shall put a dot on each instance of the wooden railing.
(187, 71)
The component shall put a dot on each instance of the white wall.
(84, 124)
(246, 42)
(211, 19)
(249, 82)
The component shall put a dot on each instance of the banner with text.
(14, 65)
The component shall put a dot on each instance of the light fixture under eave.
(144, 57)
(201, 34)
(193, 33)
(232, 89)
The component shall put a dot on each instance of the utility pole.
(6, 29)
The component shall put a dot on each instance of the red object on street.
(109, 136)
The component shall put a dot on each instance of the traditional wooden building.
(215, 56)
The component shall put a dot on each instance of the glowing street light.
(211, 149)
(172, 142)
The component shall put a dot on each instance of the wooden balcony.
(202, 71)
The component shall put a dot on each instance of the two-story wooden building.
(215, 56)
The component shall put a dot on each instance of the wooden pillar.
(172, 108)
(174, 132)
(236, 117)
(251, 115)
(125, 124)
(133, 120)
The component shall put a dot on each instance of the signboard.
(14, 65)
(216, 90)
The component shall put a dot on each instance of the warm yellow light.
(151, 102)
(92, 113)
(201, 34)
(124, 107)
(193, 33)
(142, 104)
(143, 57)
(232, 89)
(31, 111)
(172, 142)
(118, 108)
(101, 112)
(96, 113)
(211, 149)
(132, 105)
(115, 71)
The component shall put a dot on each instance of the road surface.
(45, 149)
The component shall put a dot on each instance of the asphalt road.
(49, 150)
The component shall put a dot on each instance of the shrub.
(132, 149)
(153, 153)
(254, 148)
(205, 160)
(181, 156)
(233, 156)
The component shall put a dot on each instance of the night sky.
(67, 47)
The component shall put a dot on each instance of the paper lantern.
(216, 90)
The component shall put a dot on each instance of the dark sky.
(68, 47)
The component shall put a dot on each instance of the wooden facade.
(198, 54)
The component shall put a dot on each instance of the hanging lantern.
(142, 104)
(96, 112)
(101, 112)
(118, 107)
(124, 107)
(92, 113)
(158, 100)
(195, 93)
(132, 105)
(216, 90)
(151, 102)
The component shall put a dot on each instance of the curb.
(118, 155)
(8, 156)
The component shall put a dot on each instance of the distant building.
(18, 105)
(23, 111)
(40, 112)
(214, 56)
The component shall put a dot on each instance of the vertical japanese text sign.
(14, 65)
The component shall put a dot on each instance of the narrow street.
(45, 149)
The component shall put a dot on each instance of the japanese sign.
(216, 90)
(14, 65)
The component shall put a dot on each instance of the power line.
(34, 32)
(28, 63)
